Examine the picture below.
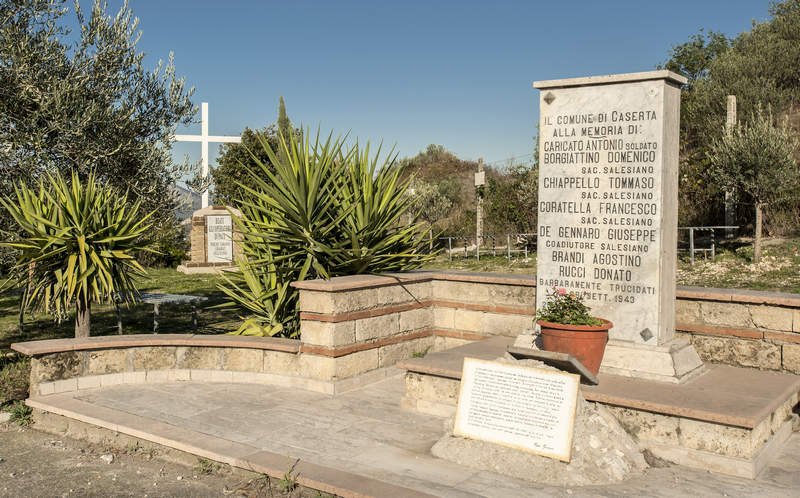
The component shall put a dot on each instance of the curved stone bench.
(63, 365)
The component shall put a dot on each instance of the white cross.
(204, 138)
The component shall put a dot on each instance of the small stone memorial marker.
(214, 240)
(525, 408)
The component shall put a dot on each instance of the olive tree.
(757, 158)
(84, 101)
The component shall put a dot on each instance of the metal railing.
(708, 240)
(515, 244)
(700, 240)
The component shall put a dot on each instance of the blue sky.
(410, 72)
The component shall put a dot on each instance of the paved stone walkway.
(365, 432)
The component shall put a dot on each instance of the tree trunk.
(757, 238)
(83, 319)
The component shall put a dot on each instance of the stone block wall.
(358, 325)
(361, 323)
(72, 364)
(742, 328)
(352, 315)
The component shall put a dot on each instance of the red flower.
(561, 291)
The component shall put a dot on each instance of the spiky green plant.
(322, 210)
(77, 245)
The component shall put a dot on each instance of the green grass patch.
(487, 263)
(136, 319)
(733, 267)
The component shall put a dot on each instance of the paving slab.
(360, 443)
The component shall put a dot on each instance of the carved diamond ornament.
(646, 334)
(549, 98)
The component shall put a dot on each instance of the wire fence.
(514, 245)
(693, 241)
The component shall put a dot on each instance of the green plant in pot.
(568, 327)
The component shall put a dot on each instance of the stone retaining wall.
(359, 325)
(366, 322)
(71, 364)
(363, 322)
(742, 328)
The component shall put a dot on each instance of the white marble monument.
(608, 211)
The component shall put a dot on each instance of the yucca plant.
(321, 210)
(375, 201)
(77, 246)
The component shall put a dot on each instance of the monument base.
(675, 361)
(728, 420)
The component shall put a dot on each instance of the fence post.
(691, 245)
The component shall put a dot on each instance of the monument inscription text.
(525, 408)
(602, 201)
(219, 236)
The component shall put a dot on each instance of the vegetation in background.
(511, 200)
(759, 67)
(444, 187)
(84, 102)
(429, 202)
(318, 209)
(757, 158)
(235, 159)
(76, 247)
(451, 177)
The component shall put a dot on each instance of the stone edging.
(36, 348)
(337, 351)
(387, 310)
(740, 296)
(356, 282)
(178, 375)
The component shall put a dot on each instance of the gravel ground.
(37, 464)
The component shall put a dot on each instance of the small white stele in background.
(525, 408)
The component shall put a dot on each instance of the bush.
(14, 379)
(319, 210)
(76, 245)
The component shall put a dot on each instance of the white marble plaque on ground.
(219, 239)
(525, 408)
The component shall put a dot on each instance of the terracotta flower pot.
(587, 343)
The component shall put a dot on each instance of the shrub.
(76, 245)
(319, 210)
(21, 414)
(14, 379)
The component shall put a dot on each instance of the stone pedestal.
(213, 239)
(608, 212)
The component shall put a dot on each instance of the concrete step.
(727, 419)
